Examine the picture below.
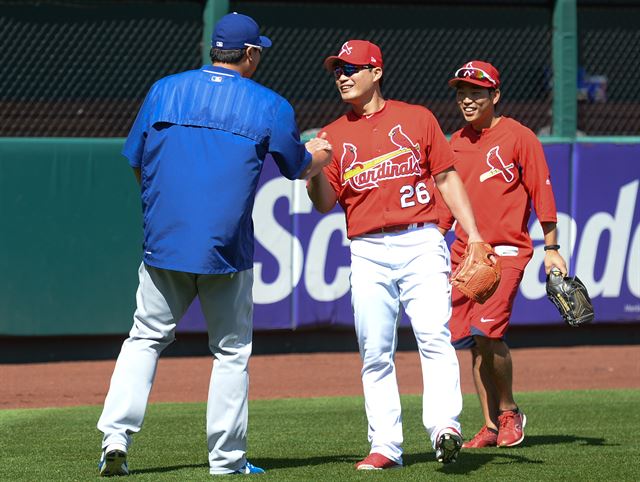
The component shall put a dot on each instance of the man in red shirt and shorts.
(503, 167)
(385, 154)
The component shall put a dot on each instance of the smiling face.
(356, 84)
(477, 104)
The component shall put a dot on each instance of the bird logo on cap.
(470, 67)
(345, 49)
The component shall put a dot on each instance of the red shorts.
(491, 319)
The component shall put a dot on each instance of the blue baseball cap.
(235, 31)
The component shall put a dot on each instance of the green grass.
(580, 435)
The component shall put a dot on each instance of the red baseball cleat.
(511, 430)
(484, 438)
(377, 461)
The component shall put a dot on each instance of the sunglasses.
(348, 70)
(473, 73)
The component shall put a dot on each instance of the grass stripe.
(571, 435)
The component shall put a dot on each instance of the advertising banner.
(606, 182)
(301, 270)
(599, 231)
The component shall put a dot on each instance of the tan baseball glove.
(478, 274)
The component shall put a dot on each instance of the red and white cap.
(356, 52)
(477, 72)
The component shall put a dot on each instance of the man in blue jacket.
(197, 149)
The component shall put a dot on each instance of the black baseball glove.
(570, 297)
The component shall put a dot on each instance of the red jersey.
(382, 166)
(503, 169)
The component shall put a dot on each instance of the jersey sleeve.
(439, 151)
(535, 176)
(285, 146)
(332, 170)
(134, 145)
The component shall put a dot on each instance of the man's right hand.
(319, 189)
(320, 149)
(321, 154)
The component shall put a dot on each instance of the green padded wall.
(71, 237)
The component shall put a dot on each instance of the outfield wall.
(71, 241)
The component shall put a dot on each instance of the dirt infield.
(313, 375)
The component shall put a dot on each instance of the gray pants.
(163, 297)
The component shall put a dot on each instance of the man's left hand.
(552, 258)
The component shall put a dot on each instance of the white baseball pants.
(389, 272)
(163, 297)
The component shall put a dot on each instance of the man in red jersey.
(504, 170)
(385, 154)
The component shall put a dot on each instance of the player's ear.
(495, 97)
(253, 54)
(377, 74)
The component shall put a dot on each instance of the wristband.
(552, 247)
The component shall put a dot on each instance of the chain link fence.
(82, 67)
(422, 47)
(609, 53)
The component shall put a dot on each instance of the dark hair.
(227, 56)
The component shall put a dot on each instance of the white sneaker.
(249, 469)
(113, 461)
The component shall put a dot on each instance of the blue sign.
(301, 270)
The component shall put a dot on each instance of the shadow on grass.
(171, 468)
(469, 461)
(535, 440)
(289, 463)
(266, 463)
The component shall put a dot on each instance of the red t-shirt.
(382, 166)
(503, 169)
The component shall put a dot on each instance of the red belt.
(397, 228)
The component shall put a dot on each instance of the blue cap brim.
(265, 42)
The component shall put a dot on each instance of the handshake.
(321, 154)
(321, 145)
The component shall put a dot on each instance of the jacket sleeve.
(134, 145)
(285, 146)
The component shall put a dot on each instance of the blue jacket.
(200, 140)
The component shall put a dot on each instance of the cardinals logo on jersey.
(497, 165)
(367, 174)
